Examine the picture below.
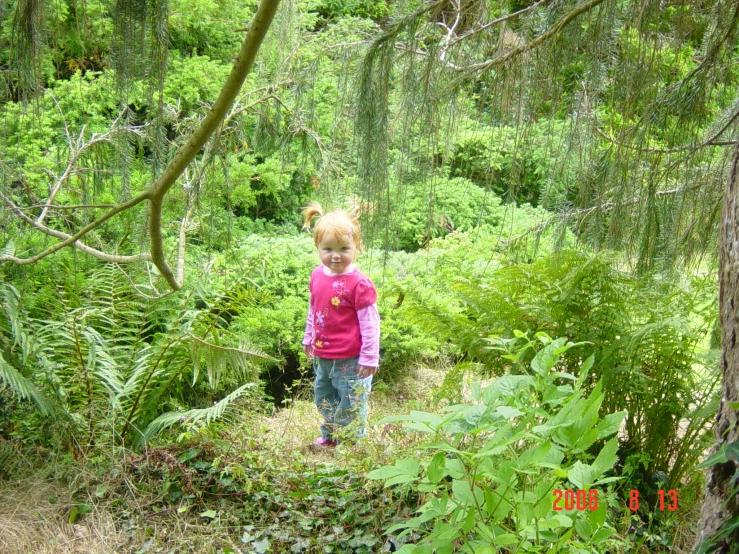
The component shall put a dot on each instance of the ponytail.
(309, 212)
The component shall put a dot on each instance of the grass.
(252, 484)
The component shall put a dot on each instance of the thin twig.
(499, 20)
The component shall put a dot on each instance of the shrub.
(649, 334)
(495, 464)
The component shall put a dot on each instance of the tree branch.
(60, 235)
(450, 30)
(709, 141)
(254, 36)
(499, 20)
(552, 32)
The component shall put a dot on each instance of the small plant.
(501, 469)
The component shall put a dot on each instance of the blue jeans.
(341, 396)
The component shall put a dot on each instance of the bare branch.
(60, 235)
(585, 212)
(450, 30)
(72, 239)
(257, 30)
(66, 207)
(498, 21)
(76, 148)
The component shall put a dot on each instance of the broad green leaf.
(508, 411)
(606, 458)
(454, 468)
(210, 514)
(435, 470)
(547, 357)
(610, 424)
(534, 455)
(584, 529)
(417, 416)
(404, 471)
(586, 440)
(463, 494)
(485, 532)
(722, 455)
(510, 385)
(400, 479)
(563, 520)
(600, 535)
(469, 521)
(524, 512)
(581, 475)
(505, 539)
(584, 370)
(474, 414)
(597, 517)
(563, 375)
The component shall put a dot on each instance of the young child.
(342, 331)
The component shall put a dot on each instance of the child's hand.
(365, 371)
(308, 351)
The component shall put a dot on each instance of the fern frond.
(8, 249)
(217, 358)
(102, 364)
(22, 387)
(214, 412)
(10, 300)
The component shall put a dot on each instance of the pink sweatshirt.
(343, 321)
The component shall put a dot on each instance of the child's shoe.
(321, 442)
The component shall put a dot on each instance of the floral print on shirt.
(341, 292)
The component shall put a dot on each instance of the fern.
(208, 415)
(22, 387)
(8, 249)
(646, 354)
(219, 358)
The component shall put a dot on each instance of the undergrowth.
(253, 484)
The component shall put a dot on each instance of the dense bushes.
(649, 336)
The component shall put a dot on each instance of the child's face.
(336, 255)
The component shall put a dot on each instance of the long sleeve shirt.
(343, 320)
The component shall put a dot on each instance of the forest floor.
(252, 485)
(258, 486)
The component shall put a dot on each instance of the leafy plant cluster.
(110, 366)
(491, 465)
(650, 337)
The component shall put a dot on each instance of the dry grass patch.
(34, 517)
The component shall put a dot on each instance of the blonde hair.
(338, 224)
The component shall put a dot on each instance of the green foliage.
(111, 361)
(334, 9)
(649, 336)
(207, 27)
(494, 463)
(501, 160)
(457, 205)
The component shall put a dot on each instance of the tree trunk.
(718, 505)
